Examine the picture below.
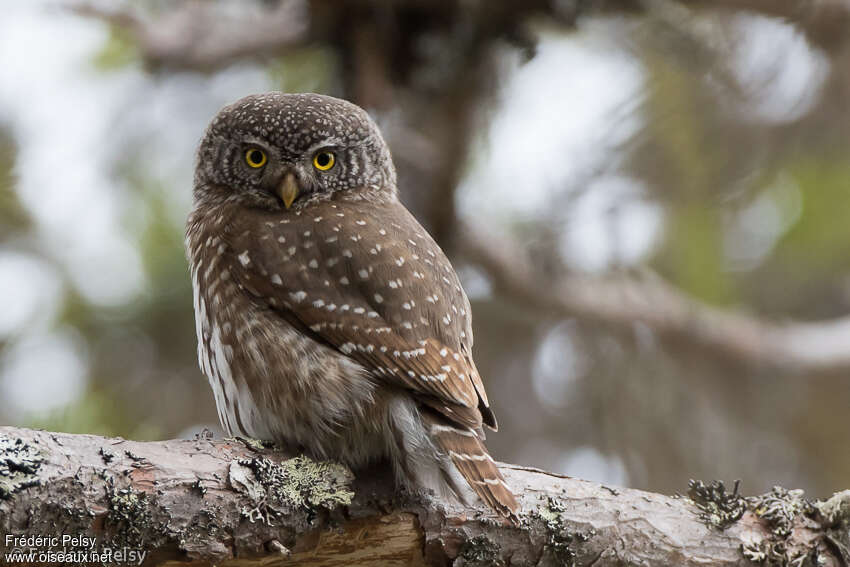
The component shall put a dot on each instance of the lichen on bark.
(560, 540)
(294, 484)
(718, 508)
(19, 465)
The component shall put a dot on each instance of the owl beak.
(288, 190)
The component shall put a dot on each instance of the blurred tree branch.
(624, 302)
(824, 22)
(195, 36)
(224, 502)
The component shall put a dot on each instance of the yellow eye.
(323, 161)
(255, 158)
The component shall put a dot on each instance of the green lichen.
(107, 455)
(717, 508)
(836, 510)
(19, 465)
(294, 484)
(129, 516)
(771, 553)
(480, 551)
(779, 508)
(560, 541)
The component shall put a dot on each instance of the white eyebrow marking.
(325, 143)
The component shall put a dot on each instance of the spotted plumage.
(328, 319)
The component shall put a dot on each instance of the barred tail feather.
(470, 457)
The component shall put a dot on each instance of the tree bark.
(229, 502)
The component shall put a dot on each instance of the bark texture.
(226, 502)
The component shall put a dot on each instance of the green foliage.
(308, 69)
(692, 253)
(694, 246)
(118, 51)
(13, 217)
(97, 412)
(819, 242)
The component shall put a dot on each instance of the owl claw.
(255, 444)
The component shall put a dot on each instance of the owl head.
(285, 151)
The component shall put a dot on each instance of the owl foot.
(255, 444)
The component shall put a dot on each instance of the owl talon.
(274, 546)
(256, 444)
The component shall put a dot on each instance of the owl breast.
(271, 381)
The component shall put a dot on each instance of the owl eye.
(323, 161)
(255, 158)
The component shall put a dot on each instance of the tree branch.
(200, 36)
(824, 22)
(228, 503)
(623, 302)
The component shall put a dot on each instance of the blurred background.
(648, 203)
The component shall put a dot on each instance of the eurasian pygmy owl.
(328, 320)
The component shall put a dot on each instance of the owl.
(328, 320)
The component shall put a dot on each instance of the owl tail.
(470, 457)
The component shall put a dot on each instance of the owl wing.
(370, 282)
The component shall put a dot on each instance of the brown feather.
(474, 463)
(410, 342)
